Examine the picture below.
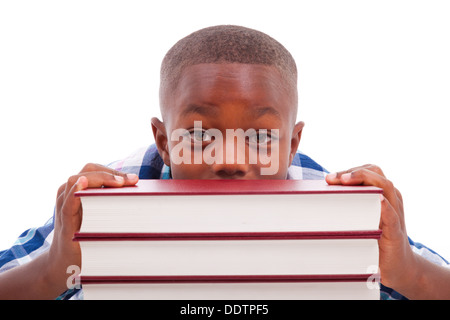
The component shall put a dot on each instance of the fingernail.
(346, 176)
(79, 186)
(131, 176)
(381, 197)
(332, 175)
(119, 179)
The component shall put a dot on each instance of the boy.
(214, 81)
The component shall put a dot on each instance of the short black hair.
(226, 44)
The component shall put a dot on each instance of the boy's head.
(228, 98)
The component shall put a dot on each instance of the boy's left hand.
(397, 259)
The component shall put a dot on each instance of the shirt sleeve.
(387, 293)
(428, 253)
(33, 242)
(29, 245)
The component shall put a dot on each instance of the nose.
(230, 171)
(234, 164)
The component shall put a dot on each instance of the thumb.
(71, 209)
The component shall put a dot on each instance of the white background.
(79, 83)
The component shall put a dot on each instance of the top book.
(227, 206)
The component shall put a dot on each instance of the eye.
(200, 135)
(261, 137)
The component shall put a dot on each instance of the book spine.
(156, 187)
(228, 279)
(364, 234)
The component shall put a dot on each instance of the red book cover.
(227, 187)
(363, 234)
(227, 278)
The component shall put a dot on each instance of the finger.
(375, 168)
(342, 176)
(94, 179)
(59, 202)
(399, 203)
(334, 178)
(391, 223)
(368, 178)
(130, 179)
(399, 195)
(71, 208)
(61, 190)
(363, 177)
(98, 179)
(93, 167)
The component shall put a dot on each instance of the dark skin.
(244, 96)
(230, 96)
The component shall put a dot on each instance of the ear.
(295, 140)
(160, 135)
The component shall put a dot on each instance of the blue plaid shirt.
(147, 164)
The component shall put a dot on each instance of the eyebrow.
(211, 110)
(208, 110)
(261, 111)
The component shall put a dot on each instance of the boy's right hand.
(68, 216)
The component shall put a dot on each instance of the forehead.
(233, 85)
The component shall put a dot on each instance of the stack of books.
(230, 239)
